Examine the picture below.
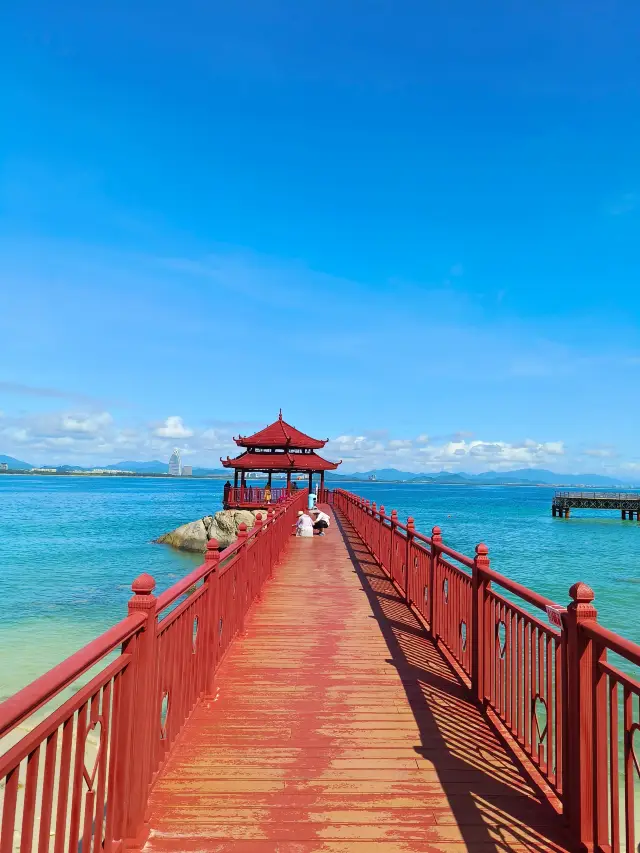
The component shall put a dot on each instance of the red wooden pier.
(373, 690)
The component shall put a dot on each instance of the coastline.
(331, 483)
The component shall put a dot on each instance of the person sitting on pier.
(322, 521)
(304, 524)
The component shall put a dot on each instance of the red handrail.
(573, 713)
(256, 495)
(83, 774)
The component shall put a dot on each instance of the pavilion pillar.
(235, 479)
(269, 479)
(322, 484)
(310, 481)
(289, 480)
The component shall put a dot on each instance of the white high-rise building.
(175, 464)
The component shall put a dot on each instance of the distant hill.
(153, 467)
(16, 464)
(519, 476)
(157, 467)
(541, 475)
(388, 474)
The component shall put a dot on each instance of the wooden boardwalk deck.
(338, 726)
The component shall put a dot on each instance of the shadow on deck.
(339, 726)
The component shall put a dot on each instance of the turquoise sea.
(71, 546)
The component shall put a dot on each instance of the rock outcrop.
(222, 526)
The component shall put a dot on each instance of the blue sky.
(412, 225)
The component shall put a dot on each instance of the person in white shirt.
(322, 521)
(304, 524)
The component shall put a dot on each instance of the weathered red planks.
(336, 726)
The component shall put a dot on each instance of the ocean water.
(71, 546)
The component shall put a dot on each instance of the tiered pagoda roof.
(279, 462)
(280, 447)
(281, 435)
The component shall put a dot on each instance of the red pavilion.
(276, 449)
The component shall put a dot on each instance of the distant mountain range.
(157, 467)
(152, 467)
(519, 476)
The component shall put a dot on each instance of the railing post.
(145, 712)
(480, 624)
(272, 559)
(243, 568)
(369, 531)
(380, 526)
(579, 740)
(436, 542)
(258, 524)
(407, 561)
(212, 561)
(392, 539)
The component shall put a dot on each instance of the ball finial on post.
(482, 558)
(143, 585)
(581, 593)
(582, 598)
(213, 551)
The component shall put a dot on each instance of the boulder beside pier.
(223, 526)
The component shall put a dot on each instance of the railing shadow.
(493, 800)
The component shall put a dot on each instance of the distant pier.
(627, 502)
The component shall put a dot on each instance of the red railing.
(82, 775)
(264, 497)
(254, 496)
(549, 684)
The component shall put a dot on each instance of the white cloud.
(91, 424)
(95, 438)
(459, 452)
(173, 427)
